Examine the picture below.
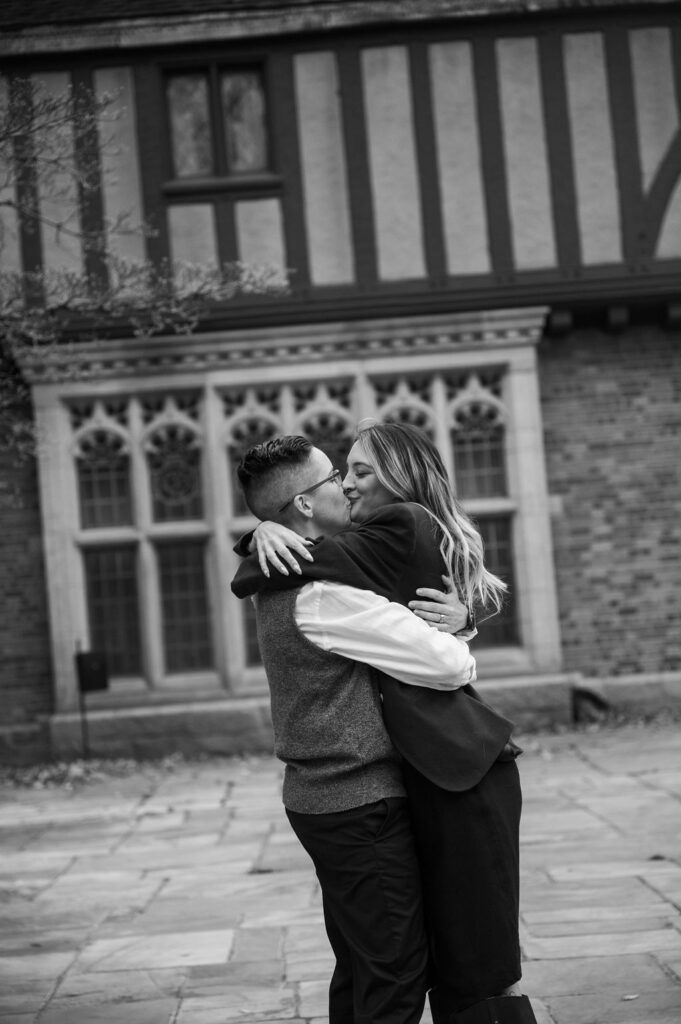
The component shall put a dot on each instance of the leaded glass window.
(478, 444)
(501, 629)
(159, 509)
(113, 607)
(412, 417)
(174, 456)
(190, 132)
(231, 103)
(103, 468)
(333, 435)
(184, 604)
(406, 400)
(243, 109)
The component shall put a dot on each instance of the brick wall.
(612, 418)
(25, 669)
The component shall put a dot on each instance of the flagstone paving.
(180, 896)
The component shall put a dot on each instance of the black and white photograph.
(340, 512)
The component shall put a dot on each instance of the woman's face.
(362, 487)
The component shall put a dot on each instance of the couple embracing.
(400, 783)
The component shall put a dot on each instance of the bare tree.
(51, 145)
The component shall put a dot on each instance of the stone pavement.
(182, 897)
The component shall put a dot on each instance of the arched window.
(103, 468)
(332, 434)
(413, 416)
(174, 459)
(406, 400)
(478, 445)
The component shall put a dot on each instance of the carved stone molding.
(108, 359)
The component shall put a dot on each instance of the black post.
(85, 746)
(92, 675)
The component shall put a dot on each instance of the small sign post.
(92, 676)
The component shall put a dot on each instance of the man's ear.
(303, 505)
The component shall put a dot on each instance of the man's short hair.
(270, 472)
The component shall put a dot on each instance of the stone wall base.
(646, 693)
(243, 725)
(228, 727)
(25, 744)
(532, 702)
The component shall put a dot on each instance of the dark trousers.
(367, 869)
(467, 845)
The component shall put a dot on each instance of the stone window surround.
(208, 363)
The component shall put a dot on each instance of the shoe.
(499, 1010)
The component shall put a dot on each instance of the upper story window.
(218, 123)
(222, 189)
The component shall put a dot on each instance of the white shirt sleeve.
(363, 626)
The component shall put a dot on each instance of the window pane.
(413, 417)
(243, 105)
(175, 468)
(112, 601)
(333, 435)
(190, 125)
(103, 481)
(478, 443)
(186, 630)
(502, 628)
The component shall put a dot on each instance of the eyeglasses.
(335, 476)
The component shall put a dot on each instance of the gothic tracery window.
(406, 400)
(174, 457)
(332, 434)
(103, 468)
(159, 499)
(478, 443)
(477, 434)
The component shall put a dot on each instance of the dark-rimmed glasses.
(335, 476)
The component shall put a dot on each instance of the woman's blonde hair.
(408, 464)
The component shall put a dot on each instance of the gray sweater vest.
(326, 713)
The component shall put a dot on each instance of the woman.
(465, 805)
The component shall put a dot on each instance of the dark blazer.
(451, 737)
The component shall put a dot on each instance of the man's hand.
(442, 610)
(276, 545)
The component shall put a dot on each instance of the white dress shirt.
(363, 626)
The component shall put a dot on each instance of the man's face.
(330, 507)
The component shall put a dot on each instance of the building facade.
(478, 209)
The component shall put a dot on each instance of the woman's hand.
(276, 544)
(442, 610)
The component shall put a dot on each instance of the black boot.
(500, 1010)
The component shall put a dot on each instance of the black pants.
(467, 845)
(367, 869)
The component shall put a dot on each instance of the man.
(343, 789)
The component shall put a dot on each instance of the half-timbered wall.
(460, 163)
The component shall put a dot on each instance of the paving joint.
(194, 903)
